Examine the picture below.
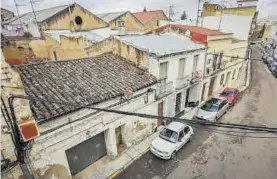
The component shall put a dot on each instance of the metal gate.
(84, 154)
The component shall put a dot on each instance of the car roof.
(176, 126)
(217, 100)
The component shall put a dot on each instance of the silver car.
(212, 109)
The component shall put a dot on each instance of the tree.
(144, 9)
(184, 16)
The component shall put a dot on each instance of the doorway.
(160, 113)
(55, 55)
(119, 141)
(178, 103)
(187, 98)
(228, 79)
(211, 87)
(203, 91)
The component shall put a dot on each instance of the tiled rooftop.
(145, 17)
(80, 81)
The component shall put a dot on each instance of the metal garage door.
(84, 154)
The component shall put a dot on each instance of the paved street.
(214, 155)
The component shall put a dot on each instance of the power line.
(192, 122)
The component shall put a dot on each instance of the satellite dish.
(187, 33)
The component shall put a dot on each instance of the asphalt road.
(213, 155)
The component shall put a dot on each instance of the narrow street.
(214, 155)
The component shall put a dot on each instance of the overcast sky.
(267, 8)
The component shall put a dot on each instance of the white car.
(171, 139)
(212, 109)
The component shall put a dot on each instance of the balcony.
(163, 88)
(183, 82)
(196, 76)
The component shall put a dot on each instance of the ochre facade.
(68, 20)
(217, 10)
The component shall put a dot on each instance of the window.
(20, 48)
(163, 70)
(195, 62)
(169, 135)
(209, 61)
(182, 64)
(181, 136)
(186, 130)
(220, 60)
(234, 74)
(121, 24)
(78, 20)
(221, 79)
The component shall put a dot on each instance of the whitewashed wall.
(173, 64)
(50, 149)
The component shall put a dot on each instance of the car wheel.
(190, 138)
(173, 155)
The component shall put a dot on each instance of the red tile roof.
(199, 30)
(145, 17)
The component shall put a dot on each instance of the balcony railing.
(163, 88)
(183, 82)
(196, 76)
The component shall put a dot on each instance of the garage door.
(84, 154)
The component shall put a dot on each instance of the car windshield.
(208, 106)
(227, 93)
(169, 135)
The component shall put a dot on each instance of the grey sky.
(267, 8)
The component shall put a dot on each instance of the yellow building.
(73, 19)
(150, 19)
(224, 59)
(6, 14)
(217, 10)
(124, 21)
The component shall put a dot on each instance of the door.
(86, 153)
(228, 79)
(188, 133)
(187, 98)
(55, 55)
(222, 108)
(119, 141)
(211, 88)
(203, 91)
(181, 140)
(178, 103)
(160, 113)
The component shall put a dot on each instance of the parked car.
(268, 61)
(264, 58)
(232, 95)
(273, 68)
(171, 139)
(212, 109)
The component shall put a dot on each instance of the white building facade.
(179, 65)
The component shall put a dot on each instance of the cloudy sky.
(267, 8)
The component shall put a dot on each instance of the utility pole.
(17, 10)
(170, 14)
(32, 5)
(198, 10)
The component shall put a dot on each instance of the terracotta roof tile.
(145, 17)
(80, 81)
(199, 30)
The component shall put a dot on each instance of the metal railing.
(163, 88)
(196, 76)
(183, 82)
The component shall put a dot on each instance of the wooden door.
(160, 113)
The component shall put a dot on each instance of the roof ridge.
(60, 61)
(147, 11)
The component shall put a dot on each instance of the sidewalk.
(114, 167)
